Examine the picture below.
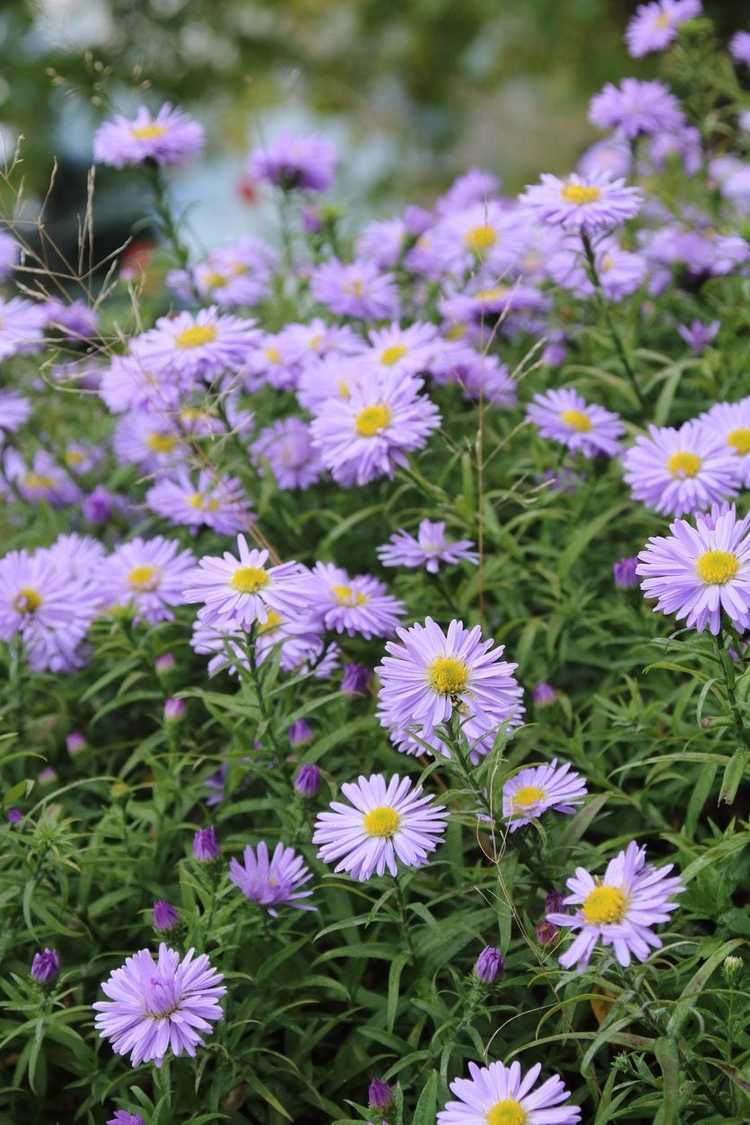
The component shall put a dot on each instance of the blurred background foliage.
(414, 90)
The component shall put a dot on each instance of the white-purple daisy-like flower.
(535, 789)
(149, 575)
(274, 880)
(739, 47)
(428, 676)
(44, 481)
(504, 1095)
(149, 439)
(21, 326)
(170, 137)
(359, 606)
(357, 289)
(77, 320)
(474, 186)
(212, 501)
(612, 155)
(582, 203)
(236, 274)
(202, 345)
(369, 435)
(487, 234)
(382, 242)
(333, 377)
(635, 107)
(241, 591)
(158, 1006)
(287, 446)
(15, 411)
(429, 549)
(698, 335)
(276, 361)
(730, 421)
(618, 909)
(10, 254)
(129, 383)
(620, 272)
(583, 427)
(675, 471)
(385, 822)
(478, 375)
(654, 26)
(403, 351)
(698, 572)
(294, 161)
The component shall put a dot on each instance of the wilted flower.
(123, 1117)
(698, 335)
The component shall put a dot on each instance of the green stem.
(167, 223)
(730, 683)
(265, 714)
(455, 742)
(405, 921)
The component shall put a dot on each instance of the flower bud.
(543, 694)
(379, 1095)
(546, 932)
(307, 781)
(623, 572)
(174, 710)
(355, 679)
(75, 742)
(45, 966)
(206, 845)
(489, 965)
(732, 968)
(14, 816)
(164, 663)
(166, 916)
(300, 733)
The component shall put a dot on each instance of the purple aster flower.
(161, 1005)
(214, 501)
(239, 273)
(293, 162)
(624, 573)
(589, 204)
(307, 780)
(675, 471)
(403, 351)
(149, 575)
(15, 410)
(429, 675)
(685, 145)
(565, 416)
(123, 1117)
(77, 321)
(379, 1094)
(619, 271)
(487, 234)
(368, 435)
(534, 789)
(696, 572)
(474, 186)
(14, 816)
(618, 909)
(129, 383)
(357, 289)
(149, 440)
(355, 679)
(10, 255)
(300, 733)
(612, 155)
(489, 965)
(191, 346)
(730, 421)
(171, 137)
(272, 881)
(165, 916)
(359, 605)
(428, 550)
(243, 590)
(543, 694)
(334, 377)
(21, 327)
(636, 107)
(654, 26)
(174, 709)
(478, 374)
(206, 845)
(45, 966)
(739, 47)
(503, 1095)
(75, 742)
(287, 446)
(698, 335)
(382, 242)
(99, 505)
(545, 932)
(384, 822)
(43, 481)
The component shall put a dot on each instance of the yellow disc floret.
(480, 239)
(203, 503)
(27, 600)
(393, 354)
(161, 443)
(716, 568)
(144, 577)
(448, 675)
(577, 420)
(196, 336)
(684, 464)
(148, 132)
(605, 905)
(372, 420)
(739, 440)
(507, 1112)
(581, 194)
(272, 622)
(382, 821)
(249, 579)
(527, 796)
(345, 595)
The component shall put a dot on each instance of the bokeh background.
(413, 91)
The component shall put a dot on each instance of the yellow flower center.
(214, 280)
(497, 293)
(144, 578)
(371, 420)
(161, 443)
(662, 20)
(716, 568)
(196, 336)
(74, 457)
(271, 622)
(148, 132)
(606, 263)
(37, 480)
(683, 464)
(739, 440)
(343, 388)
(345, 595)
(577, 420)
(393, 354)
(456, 331)
(249, 579)
(273, 355)
(203, 503)
(315, 342)
(507, 1112)
(382, 821)
(580, 194)
(356, 287)
(480, 239)
(605, 904)
(448, 675)
(27, 600)
(193, 414)
(526, 796)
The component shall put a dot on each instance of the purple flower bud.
(623, 572)
(15, 816)
(45, 965)
(174, 710)
(98, 505)
(307, 781)
(553, 903)
(698, 335)
(122, 1117)
(543, 694)
(206, 845)
(166, 916)
(75, 742)
(489, 965)
(355, 679)
(379, 1096)
(164, 663)
(47, 776)
(546, 932)
(300, 733)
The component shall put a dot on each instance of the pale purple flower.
(99, 505)
(45, 966)
(78, 321)
(238, 273)
(696, 572)
(171, 137)
(174, 710)
(295, 161)
(543, 694)
(404, 351)
(486, 234)
(300, 733)
(589, 204)
(274, 880)
(357, 289)
(382, 242)
(160, 1005)
(10, 255)
(287, 446)
(359, 605)
(307, 780)
(686, 145)
(479, 375)
(624, 573)
(206, 846)
(489, 965)
(131, 383)
(428, 550)
(636, 107)
(739, 47)
(75, 742)
(384, 822)
(675, 471)
(214, 501)
(618, 909)
(583, 427)
(428, 676)
(355, 679)
(698, 335)
(21, 326)
(149, 575)
(334, 377)
(15, 410)
(43, 481)
(202, 345)
(612, 155)
(165, 663)
(654, 26)
(619, 271)
(123, 1117)
(165, 916)
(730, 421)
(503, 1095)
(47, 776)
(535, 789)
(149, 440)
